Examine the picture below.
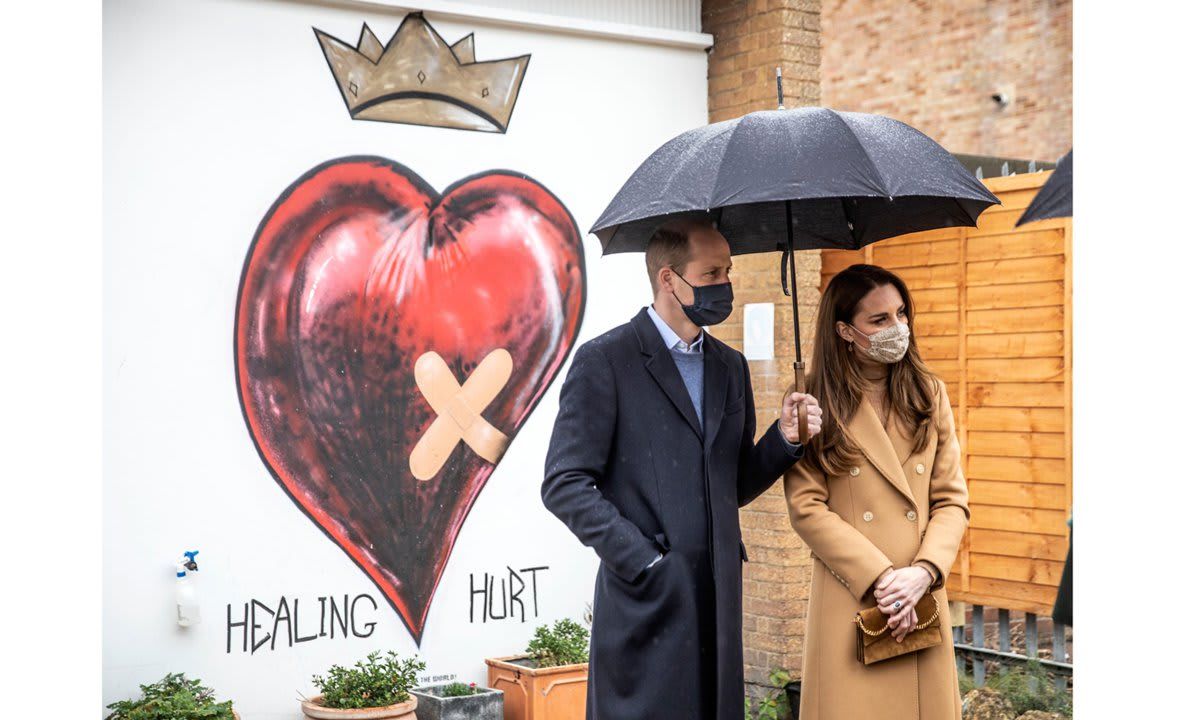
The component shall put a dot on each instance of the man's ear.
(664, 278)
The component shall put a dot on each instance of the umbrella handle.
(789, 263)
(798, 368)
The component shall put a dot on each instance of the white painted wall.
(669, 14)
(212, 109)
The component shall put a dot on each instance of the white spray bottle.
(187, 607)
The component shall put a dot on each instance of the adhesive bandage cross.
(458, 410)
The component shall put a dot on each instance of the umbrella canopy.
(804, 178)
(1056, 198)
(848, 180)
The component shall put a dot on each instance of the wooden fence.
(993, 319)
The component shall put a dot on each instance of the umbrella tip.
(779, 86)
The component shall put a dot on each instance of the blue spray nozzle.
(191, 560)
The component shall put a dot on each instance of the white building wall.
(211, 110)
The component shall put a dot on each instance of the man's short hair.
(669, 247)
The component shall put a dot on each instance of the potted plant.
(371, 690)
(173, 698)
(459, 701)
(549, 680)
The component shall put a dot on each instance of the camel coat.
(897, 507)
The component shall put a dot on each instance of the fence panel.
(993, 319)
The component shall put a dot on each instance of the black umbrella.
(796, 179)
(1055, 199)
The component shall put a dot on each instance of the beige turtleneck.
(877, 394)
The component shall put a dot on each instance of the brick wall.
(751, 38)
(935, 64)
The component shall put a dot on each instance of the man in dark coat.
(652, 454)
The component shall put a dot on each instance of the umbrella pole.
(798, 364)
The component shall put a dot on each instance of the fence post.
(1060, 653)
(1031, 635)
(1005, 632)
(960, 638)
(977, 641)
(1031, 641)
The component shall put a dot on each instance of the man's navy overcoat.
(632, 474)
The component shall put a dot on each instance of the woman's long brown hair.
(838, 384)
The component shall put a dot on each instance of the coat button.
(868, 516)
(854, 471)
(920, 468)
(912, 515)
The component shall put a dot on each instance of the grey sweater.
(691, 367)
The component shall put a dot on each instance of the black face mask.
(711, 304)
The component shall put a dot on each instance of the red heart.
(357, 270)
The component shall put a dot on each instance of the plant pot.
(314, 707)
(533, 693)
(485, 704)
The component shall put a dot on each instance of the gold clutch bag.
(874, 638)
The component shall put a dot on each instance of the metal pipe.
(1015, 657)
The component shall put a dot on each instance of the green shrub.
(172, 698)
(1030, 688)
(374, 683)
(965, 683)
(566, 644)
(457, 689)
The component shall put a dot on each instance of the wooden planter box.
(485, 704)
(533, 693)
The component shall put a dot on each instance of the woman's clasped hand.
(897, 593)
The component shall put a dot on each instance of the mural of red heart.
(357, 270)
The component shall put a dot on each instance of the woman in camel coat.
(880, 499)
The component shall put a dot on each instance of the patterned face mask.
(888, 345)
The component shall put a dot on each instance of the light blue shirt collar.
(672, 340)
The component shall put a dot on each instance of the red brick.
(941, 65)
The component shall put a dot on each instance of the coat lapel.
(902, 442)
(662, 368)
(866, 430)
(715, 388)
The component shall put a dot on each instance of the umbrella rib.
(708, 194)
(878, 175)
(733, 128)
(966, 213)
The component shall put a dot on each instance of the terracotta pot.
(314, 707)
(533, 693)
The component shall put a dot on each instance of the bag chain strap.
(920, 626)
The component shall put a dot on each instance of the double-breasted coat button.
(912, 515)
(854, 471)
(868, 516)
(920, 468)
